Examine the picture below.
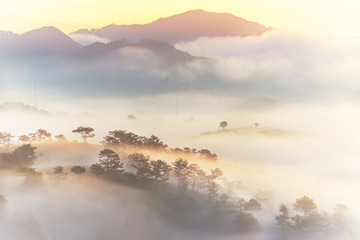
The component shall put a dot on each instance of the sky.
(320, 17)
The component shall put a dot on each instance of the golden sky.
(319, 16)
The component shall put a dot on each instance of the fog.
(301, 90)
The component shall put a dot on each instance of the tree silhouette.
(340, 217)
(110, 162)
(85, 132)
(252, 205)
(182, 172)
(40, 136)
(25, 139)
(58, 170)
(5, 139)
(246, 222)
(118, 137)
(309, 221)
(141, 163)
(305, 205)
(153, 142)
(160, 170)
(61, 138)
(97, 169)
(122, 137)
(212, 186)
(223, 124)
(205, 153)
(78, 169)
(283, 219)
(21, 156)
(32, 176)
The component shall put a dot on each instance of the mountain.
(167, 52)
(6, 36)
(187, 26)
(45, 40)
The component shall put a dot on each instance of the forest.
(185, 190)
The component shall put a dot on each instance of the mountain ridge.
(182, 27)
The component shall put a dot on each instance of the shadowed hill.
(163, 49)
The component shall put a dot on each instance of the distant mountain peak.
(45, 39)
(182, 27)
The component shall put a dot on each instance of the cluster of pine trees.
(114, 139)
(191, 196)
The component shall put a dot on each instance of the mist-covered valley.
(291, 107)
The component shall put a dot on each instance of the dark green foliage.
(78, 169)
(21, 156)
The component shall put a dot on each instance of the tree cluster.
(119, 138)
(23, 156)
(308, 219)
(190, 186)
